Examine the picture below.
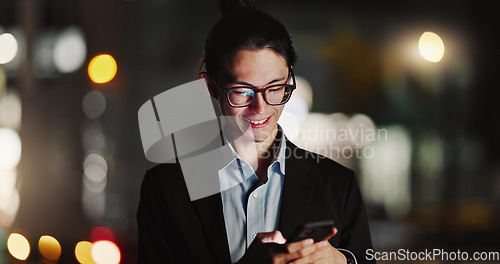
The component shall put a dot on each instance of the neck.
(258, 154)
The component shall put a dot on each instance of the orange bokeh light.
(102, 68)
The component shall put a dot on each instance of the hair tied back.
(229, 6)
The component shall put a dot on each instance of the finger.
(332, 233)
(292, 247)
(281, 258)
(313, 254)
(309, 250)
(271, 237)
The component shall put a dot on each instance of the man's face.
(258, 68)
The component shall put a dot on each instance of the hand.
(321, 253)
(271, 248)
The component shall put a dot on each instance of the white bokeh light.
(290, 124)
(386, 175)
(10, 148)
(94, 104)
(362, 130)
(9, 197)
(95, 167)
(10, 111)
(8, 47)
(431, 47)
(105, 252)
(70, 50)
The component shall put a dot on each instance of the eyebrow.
(271, 82)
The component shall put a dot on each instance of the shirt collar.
(280, 158)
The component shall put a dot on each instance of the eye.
(275, 90)
(242, 92)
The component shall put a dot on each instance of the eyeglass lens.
(273, 95)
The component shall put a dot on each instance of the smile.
(257, 122)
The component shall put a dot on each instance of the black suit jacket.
(174, 229)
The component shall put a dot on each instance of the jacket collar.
(297, 189)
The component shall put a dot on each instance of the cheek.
(227, 109)
(279, 109)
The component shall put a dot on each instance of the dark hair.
(242, 27)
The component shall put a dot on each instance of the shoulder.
(319, 166)
(166, 178)
(160, 169)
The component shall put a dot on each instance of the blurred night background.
(71, 158)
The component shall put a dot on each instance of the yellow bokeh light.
(102, 68)
(49, 248)
(431, 47)
(106, 252)
(83, 252)
(18, 246)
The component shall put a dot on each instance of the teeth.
(257, 122)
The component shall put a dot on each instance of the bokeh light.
(49, 248)
(43, 50)
(95, 186)
(70, 50)
(10, 111)
(290, 124)
(431, 47)
(8, 47)
(361, 130)
(106, 252)
(83, 252)
(304, 91)
(9, 197)
(3, 242)
(386, 175)
(13, 67)
(94, 104)
(3, 81)
(93, 138)
(18, 246)
(10, 148)
(101, 233)
(95, 167)
(94, 203)
(296, 109)
(102, 68)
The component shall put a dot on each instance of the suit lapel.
(211, 216)
(297, 190)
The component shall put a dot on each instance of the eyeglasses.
(276, 94)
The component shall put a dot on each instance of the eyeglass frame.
(263, 90)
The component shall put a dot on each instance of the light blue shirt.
(250, 206)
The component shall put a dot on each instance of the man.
(270, 188)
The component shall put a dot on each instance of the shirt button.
(254, 236)
(255, 195)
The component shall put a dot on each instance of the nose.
(259, 104)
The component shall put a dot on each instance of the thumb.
(271, 237)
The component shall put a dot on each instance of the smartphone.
(315, 230)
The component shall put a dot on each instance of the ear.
(212, 90)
